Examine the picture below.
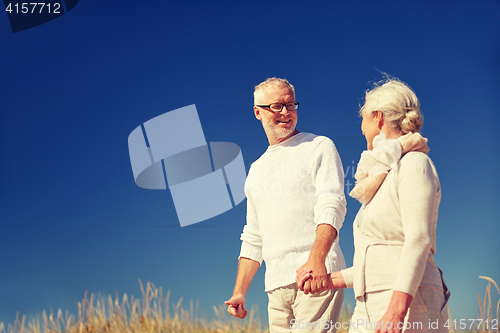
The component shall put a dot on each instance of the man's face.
(278, 126)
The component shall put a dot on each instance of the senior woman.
(396, 283)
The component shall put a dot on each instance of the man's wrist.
(317, 258)
(238, 294)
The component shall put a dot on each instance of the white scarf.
(374, 164)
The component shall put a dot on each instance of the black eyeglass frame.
(295, 106)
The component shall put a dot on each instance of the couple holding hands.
(296, 207)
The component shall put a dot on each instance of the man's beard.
(275, 132)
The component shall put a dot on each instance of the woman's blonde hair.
(397, 102)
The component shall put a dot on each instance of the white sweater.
(291, 189)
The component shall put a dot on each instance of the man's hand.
(236, 306)
(317, 280)
(325, 236)
(246, 271)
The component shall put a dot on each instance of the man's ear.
(256, 111)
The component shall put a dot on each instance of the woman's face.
(370, 126)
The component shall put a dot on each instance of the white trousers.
(428, 311)
(292, 310)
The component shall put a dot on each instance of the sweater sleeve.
(328, 179)
(419, 195)
(251, 245)
(348, 275)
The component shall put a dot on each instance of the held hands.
(302, 276)
(312, 277)
(335, 280)
(236, 306)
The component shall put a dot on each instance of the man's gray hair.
(258, 94)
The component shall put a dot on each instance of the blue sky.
(72, 90)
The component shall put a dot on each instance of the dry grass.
(153, 314)
(486, 310)
(488, 320)
(345, 316)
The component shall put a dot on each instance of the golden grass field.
(154, 314)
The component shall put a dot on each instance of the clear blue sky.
(72, 90)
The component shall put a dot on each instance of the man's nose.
(284, 110)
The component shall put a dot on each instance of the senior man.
(295, 209)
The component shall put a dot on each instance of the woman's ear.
(379, 118)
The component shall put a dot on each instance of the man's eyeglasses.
(277, 107)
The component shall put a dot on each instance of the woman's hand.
(393, 319)
(302, 276)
